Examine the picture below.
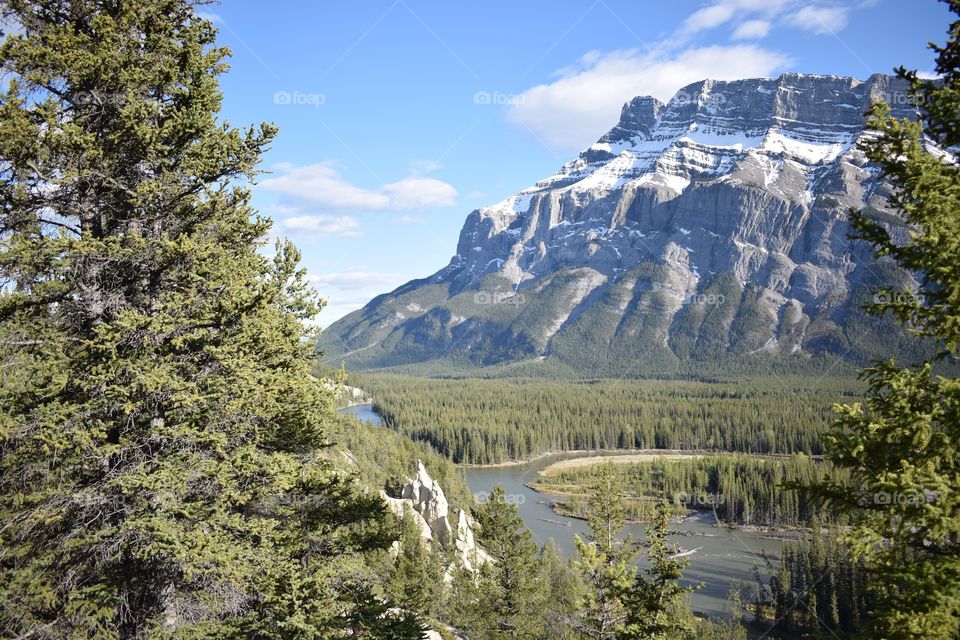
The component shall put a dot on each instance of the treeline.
(742, 489)
(819, 584)
(491, 421)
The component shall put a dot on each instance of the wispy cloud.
(347, 291)
(573, 111)
(584, 100)
(321, 184)
(708, 17)
(822, 20)
(302, 226)
(751, 30)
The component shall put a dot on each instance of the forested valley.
(173, 466)
(499, 420)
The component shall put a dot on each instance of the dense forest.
(171, 468)
(741, 489)
(817, 585)
(491, 421)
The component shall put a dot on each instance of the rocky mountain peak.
(713, 225)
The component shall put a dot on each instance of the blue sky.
(399, 117)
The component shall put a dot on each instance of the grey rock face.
(423, 499)
(736, 190)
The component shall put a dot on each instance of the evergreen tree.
(415, 581)
(160, 472)
(903, 444)
(605, 560)
(655, 605)
(566, 591)
(512, 589)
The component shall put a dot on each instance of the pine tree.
(160, 472)
(655, 605)
(566, 591)
(416, 579)
(903, 444)
(511, 589)
(605, 560)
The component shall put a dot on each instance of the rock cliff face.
(423, 498)
(710, 227)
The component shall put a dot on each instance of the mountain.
(710, 232)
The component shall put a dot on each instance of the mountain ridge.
(710, 227)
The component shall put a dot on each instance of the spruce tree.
(566, 591)
(902, 445)
(656, 609)
(605, 560)
(415, 581)
(511, 588)
(160, 472)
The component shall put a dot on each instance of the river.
(719, 556)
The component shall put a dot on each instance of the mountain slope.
(710, 231)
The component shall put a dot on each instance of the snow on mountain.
(740, 189)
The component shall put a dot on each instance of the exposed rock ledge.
(430, 510)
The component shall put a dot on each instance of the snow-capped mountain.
(711, 227)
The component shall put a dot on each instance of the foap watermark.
(483, 497)
(886, 498)
(698, 500)
(498, 297)
(709, 299)
(899, 298)
(299, 99)
(706, 98)
(95, 98)
(498, 98)
(903, 99)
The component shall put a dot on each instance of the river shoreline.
(787, 533)
(581, 453)
(607, 453)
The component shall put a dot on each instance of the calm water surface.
(719, 557)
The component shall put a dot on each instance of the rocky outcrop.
(422, 498)
(713, 225)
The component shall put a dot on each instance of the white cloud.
(708, 17)
(573, 111)
(420, 193)
(351, 279)
(584, 99)
(321, 184)
(751, 30)
(420, 167)
(321, 225)
(820, 20)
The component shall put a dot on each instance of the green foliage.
(605, 561)
(415, 581)
(489, 421)
(160, 434)
(655, 605)
(903, 443)
(817, 585)
(385, 459)
(566, 591)
(511, 594)
(741, 489)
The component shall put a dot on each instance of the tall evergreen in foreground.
(656, 609)
(903, 445)
(159, 474)
(605, 561)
